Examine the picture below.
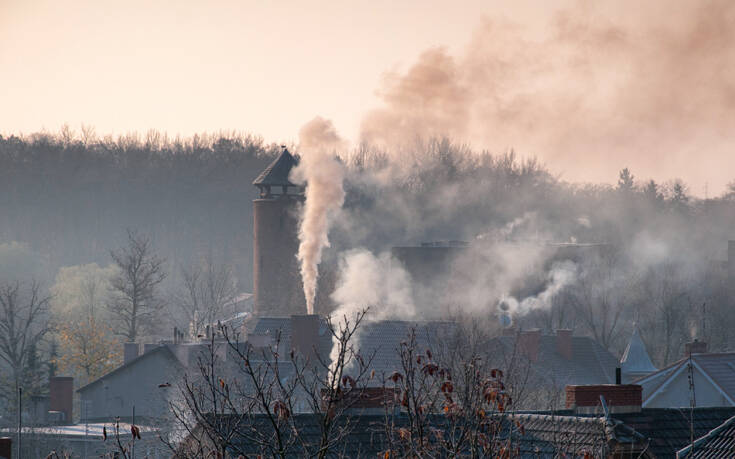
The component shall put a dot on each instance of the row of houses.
(544, 366)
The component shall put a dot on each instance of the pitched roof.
(719, 368)
(550, 435)
(669, 428)
(590, 362)
(276, 174)
(181, 355)
(718, 443)
(635, 358)
(541, 436)
(164, 350)
(378, 339)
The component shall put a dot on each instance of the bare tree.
(135, 302)
(455, 408)
(206, 292)
(251, 401)
(23, 323)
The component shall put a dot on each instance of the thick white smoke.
(562, 274)
(323, 174)
(378, 283)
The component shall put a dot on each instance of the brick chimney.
(130, 352)
(6, 447)
(620, 398)
(61, 395)
(367, 399)
(695, 347)
(564, 343)
(305, 334)
(528, 343)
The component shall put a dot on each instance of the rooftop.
(276, 174)
(635, 358)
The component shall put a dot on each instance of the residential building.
(699, 378)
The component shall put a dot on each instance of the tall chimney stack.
(277, 285)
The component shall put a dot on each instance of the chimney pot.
(618, 375)
(130, 352)
(6, 447)
(695, 347)
(564, 343)
(620, 398)
(305, 334)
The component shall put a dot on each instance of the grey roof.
(182, 355)
(669, 428)
(163, 349)
(718, 367)
(378, 339)
(590, 362)
(635, 358)
(718, 443)
(553, 436)
(276, 174)
(541, 435)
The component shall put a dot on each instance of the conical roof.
(635, 358)
(276, 174)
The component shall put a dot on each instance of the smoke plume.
(377, 283)
(648, 86)
(561, 275)
(323, 175)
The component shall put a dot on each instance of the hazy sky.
(267, 67)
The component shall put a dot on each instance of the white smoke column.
(562, 274)
(322, 172)
(378, 283)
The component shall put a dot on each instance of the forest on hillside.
(69, 202)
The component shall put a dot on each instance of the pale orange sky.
(267, 67)
(181, 66)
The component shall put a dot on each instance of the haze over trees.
(68, 200)
(135, 303)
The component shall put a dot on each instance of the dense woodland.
(71, 203)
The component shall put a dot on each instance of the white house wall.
(676, 393)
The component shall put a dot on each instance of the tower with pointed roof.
(277, 284)
(635, 362)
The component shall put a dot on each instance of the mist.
(648, 86)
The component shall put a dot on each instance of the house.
(140, 386)
(699, 378)
(601, 421)
(538, 366)
(716, 444)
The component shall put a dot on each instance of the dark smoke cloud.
(650, 87)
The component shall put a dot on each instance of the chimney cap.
(277, 172)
